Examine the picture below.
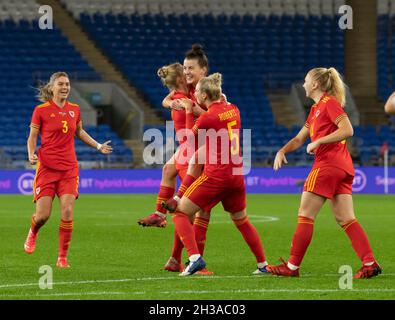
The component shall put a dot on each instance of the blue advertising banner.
(260, 180)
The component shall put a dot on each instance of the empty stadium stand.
(29, 55)
(257, 46)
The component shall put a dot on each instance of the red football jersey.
(222, 154)
(322, 120)
(57, 129)
(179, 116)
(192, 93)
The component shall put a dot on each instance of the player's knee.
(67, 212)
(203, 214)
(343, 219)
(305, 214)
(238, 215)
(41, 219)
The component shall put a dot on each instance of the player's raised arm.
(104, 148)
(292, 145)
(389, 106)
(167, 102)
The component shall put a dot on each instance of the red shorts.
(206, 192)
(49, 182)
(328, 182)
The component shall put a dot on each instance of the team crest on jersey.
(38, 190)
(71, 113)
(317, 113)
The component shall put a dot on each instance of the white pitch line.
(197, 292)
(16, 285)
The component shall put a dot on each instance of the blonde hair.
(169, 75)
(330, 81)
(44, 91)
(211, 86)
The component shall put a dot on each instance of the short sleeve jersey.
(57, 129)
(222, 124)
(323, 120)
(179, 116)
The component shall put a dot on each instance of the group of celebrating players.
(197, 104)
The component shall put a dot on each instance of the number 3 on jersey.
(65, 128)
(233, 136)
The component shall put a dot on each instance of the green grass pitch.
(111, 257)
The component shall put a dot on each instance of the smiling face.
(193, 72)
(61, 88)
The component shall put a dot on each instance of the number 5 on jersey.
(65, 128)
(233, 136)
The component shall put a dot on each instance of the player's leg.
(251, 237)
(174, 264)
(166, 191)
(200, 226)
(311, 204)
(343, 210)
(182, 223)
(67, 191)
(234, 202)
(67, 202)
(203, 193)
(39, 218)
(195, 169)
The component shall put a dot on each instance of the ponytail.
(330, 81)
(170, 74)
(197, 52)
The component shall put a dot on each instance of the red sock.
(200, 226)
(301, 240)
(185, 231)
(177, 247)
(165, 193)
(252, 238)
(65, 231)
(359, 241)
(186, 182)
(35, 227)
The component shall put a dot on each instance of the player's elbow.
(166, 103)
(348, 132)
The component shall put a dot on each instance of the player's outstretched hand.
(278, 160)
(33, 159)
(106, 148)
